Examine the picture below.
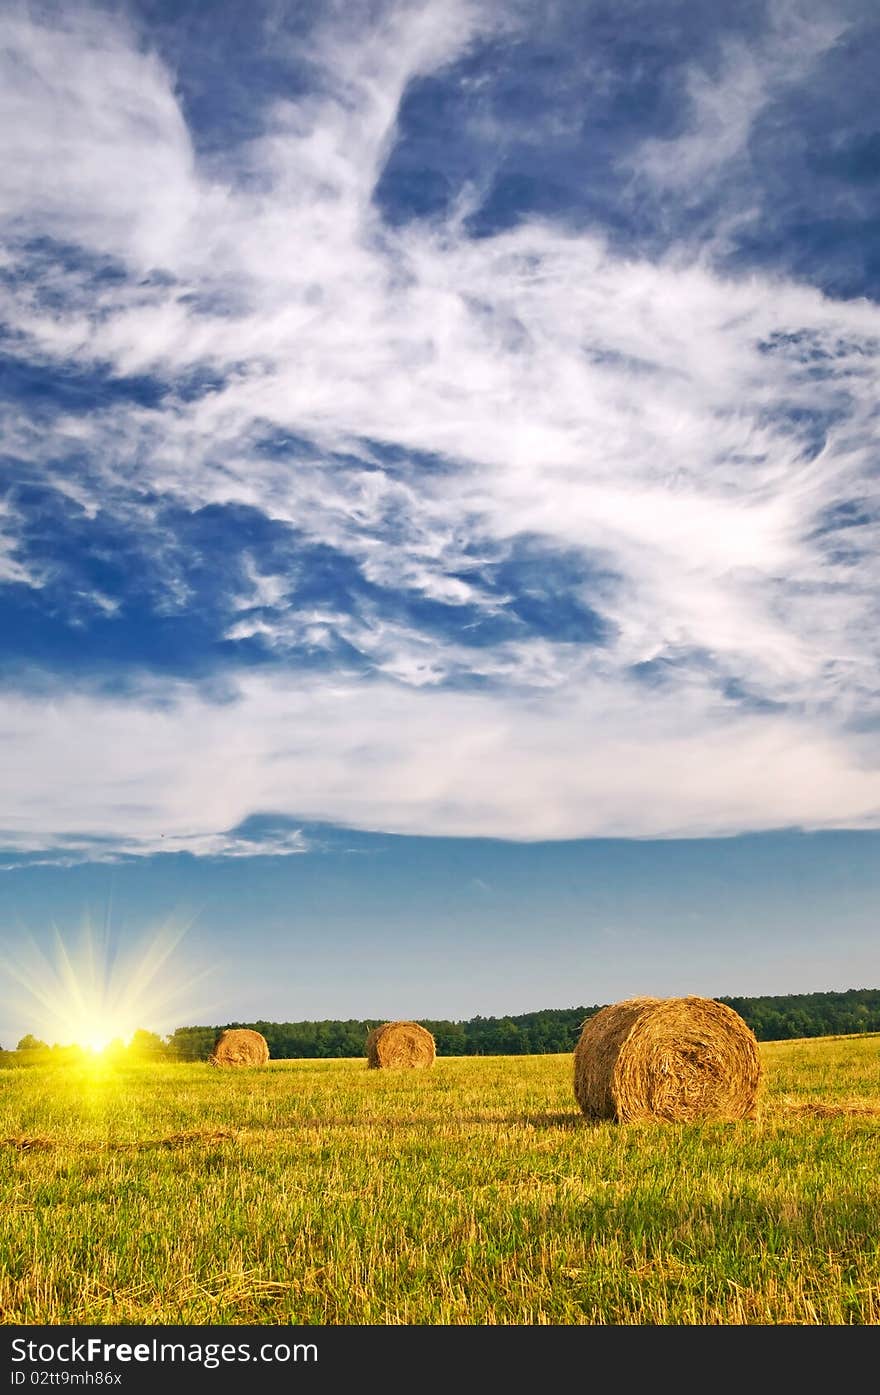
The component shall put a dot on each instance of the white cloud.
(12, 569)
(70, 849)
(636, 413)
(99, 152)
(726, 103)
(589, 759)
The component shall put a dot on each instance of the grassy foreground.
(320, 1192)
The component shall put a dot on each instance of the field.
(321, 1192)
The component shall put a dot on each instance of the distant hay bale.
(667, 1058)
(400, 1046)
(239, 1046)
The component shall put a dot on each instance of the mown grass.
(320, 1192)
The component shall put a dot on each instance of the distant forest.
(771, 1019)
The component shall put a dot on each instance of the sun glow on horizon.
(99, 992)
(97, 1037)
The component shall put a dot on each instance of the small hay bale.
(667, 1058)
(239, 1046)
(400, 1046)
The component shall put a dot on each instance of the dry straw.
(239, 1046)
(400, 1046)
(667, 1058)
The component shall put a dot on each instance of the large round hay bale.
(400, 1046)
(667, 1058)
(239, 1046)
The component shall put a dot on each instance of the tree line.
(529, 1033)
(554, 1029)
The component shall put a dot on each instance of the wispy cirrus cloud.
(727, 96)
(517, 534)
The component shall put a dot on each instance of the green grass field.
(321, 1192)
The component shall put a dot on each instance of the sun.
(95, 1016)
(96, 1038)
(98, 992)
(86, 1004)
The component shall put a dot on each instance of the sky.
(439, 558)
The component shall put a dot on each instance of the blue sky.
(439, 451)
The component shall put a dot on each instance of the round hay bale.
(239, 1046)
(667, 1058)
(400, 1046)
